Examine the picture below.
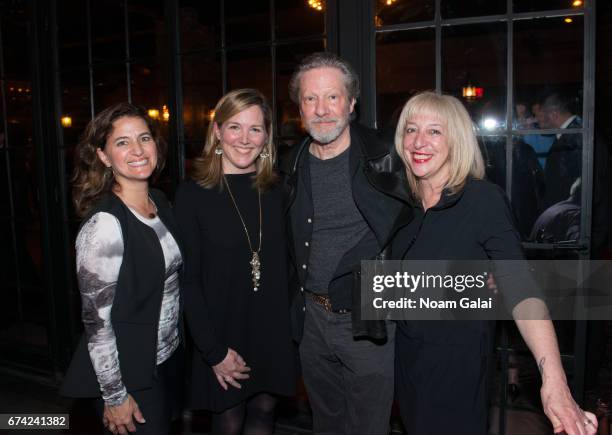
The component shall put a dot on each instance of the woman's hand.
(231, 368)
(563, 412)
(118, 419)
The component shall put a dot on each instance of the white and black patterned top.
(99, 249)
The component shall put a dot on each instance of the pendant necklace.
(255, 261)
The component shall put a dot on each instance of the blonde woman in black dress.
(230, 215)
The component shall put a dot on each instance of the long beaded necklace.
(255, 261)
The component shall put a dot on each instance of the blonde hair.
(208, 167)
(464, 156)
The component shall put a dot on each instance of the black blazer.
(137, 303)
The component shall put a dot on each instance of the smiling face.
(425, 148)
(324, 104)
(242, 138)
(130, 151)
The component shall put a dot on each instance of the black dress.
(442, 367)
(221, 306)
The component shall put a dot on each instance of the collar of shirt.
(567, 122)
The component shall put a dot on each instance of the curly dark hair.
(92, 179)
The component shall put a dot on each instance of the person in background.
(527, 120)
(564, 160)
(237, 307)
(128, 263)
(443, 366)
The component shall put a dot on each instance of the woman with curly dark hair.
(128, 263)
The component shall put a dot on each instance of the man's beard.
(325, 137)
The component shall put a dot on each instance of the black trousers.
(161, 403)
(349, 382)
(442, 388)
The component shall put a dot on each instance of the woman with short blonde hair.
(456, 216)
(465, 159)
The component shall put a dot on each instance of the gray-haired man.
(337, 215)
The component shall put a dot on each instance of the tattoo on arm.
(541, 365)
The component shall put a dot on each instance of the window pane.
(544, 5)
(389, 12)
(9, 315)
(8, 268)
(287, 113)
(149, 89)
(247, 21)
(149, 86)
(474, 8)
(474, 57)
(72, 33)
(563, 166)
(19, 113)
(148, 37)
(29, 249)
(108, 30)
(76, 104)
(548, 58)
(494, 153)
(202, 88)
(199, 25)
(405, 65)
(250, 69)
(110, 85)
(528, 186)
(4, 190)
(15, 39)
(560, 219)
(296, 18)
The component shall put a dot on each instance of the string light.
(153, 113)
(568, 20)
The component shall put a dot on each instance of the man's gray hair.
(324, 60)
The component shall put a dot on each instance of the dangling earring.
(218, 151)
(264, 154)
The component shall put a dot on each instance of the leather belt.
(325, 302)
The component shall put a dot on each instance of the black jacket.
(563, 164)
(136, 306)
(379, 191)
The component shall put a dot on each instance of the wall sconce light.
(153, 113)
(66, 121)
(165, 113)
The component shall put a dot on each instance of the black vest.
(136, 306)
